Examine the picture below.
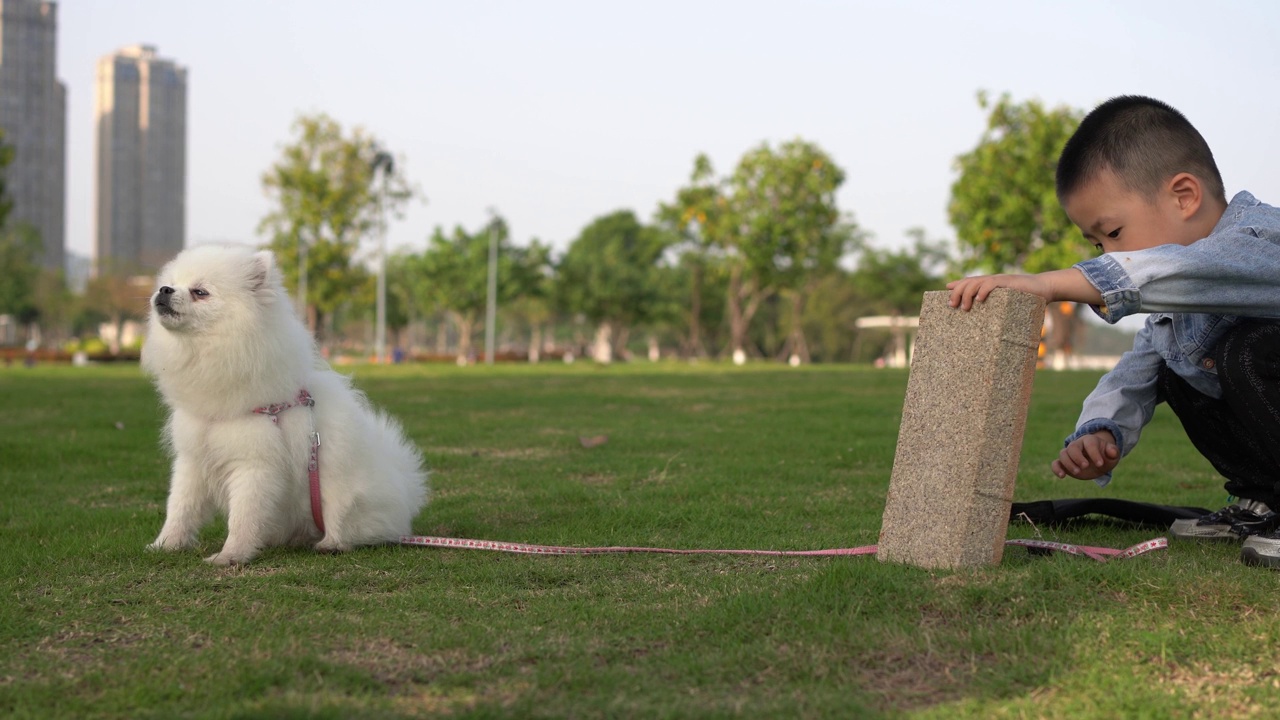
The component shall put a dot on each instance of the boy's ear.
(1187, 192)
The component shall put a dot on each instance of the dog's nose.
(166, 290)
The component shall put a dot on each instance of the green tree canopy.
(20, 250)
(608, 274)
(325, 202)
(453, 274)
(534, 303)
(6, 157)
(696, 217)
(1003, 205)
(19, 254)
(785, 229)
(893, 282)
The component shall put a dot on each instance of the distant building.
(33, 116)
(79, 270)
(141, 115)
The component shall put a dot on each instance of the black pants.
(1239, 434)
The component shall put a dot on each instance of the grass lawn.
(91, 625)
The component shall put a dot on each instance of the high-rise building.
(141, 114)
(33, 116)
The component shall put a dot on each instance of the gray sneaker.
(1244, 518)
(1262, 550)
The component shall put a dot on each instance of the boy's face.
(1117, 219)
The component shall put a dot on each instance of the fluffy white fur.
(222, 341)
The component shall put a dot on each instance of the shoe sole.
(1251, 556)
(1211, 535)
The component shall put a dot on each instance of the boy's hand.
(1069, 284)
(967, 291)
(1088, 457)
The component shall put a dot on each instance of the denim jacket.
(1194, 294)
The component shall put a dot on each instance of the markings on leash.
(1101, 554)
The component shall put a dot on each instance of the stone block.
(961, 433)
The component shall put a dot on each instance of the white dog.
(253, 407)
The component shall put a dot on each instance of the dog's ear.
(262, 275)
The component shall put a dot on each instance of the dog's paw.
(331, 546)
(228, 557)
(171, 542)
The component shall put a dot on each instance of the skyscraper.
(33, 116)
(141, 114)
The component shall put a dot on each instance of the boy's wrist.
(1106, 436)
(1070, 285)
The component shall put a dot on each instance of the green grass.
(91, 625)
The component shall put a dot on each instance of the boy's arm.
(1055, 285)
(1124, 399)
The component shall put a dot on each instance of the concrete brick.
(961, 433)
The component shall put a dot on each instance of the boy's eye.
(1114, 234)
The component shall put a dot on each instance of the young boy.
(1142, 185)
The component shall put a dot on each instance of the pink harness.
(313, 465)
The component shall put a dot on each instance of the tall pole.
(380, 324)
(491, 301)
(382, 161)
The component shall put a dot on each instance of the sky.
(554, 113)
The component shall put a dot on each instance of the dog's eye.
(199, 292)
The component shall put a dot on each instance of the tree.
(6, 157)
(325, 203)
(19, 271)
(533, 304)
(455, 271)
(19, 254)
(811, 259)
(783, 226)
(607, 275)
(401, 300)
(121, 292)
(696, 217)
(893, 282)
(1004, 207)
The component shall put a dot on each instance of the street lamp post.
(491, 298)
(382, 161)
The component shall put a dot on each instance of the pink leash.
(304, 399)
(1100, 554)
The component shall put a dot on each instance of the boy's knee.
(1248, 356)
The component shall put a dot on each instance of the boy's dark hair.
(1143, 141)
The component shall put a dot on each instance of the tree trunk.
(602, 347)
(744, 301)
(695, 348)
(535, 343)
(118, 322)
(442, 336)
(1063, 330)
(620, 340)
(315, 319)
(737, 323)
(466, 324)
(799, 346)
